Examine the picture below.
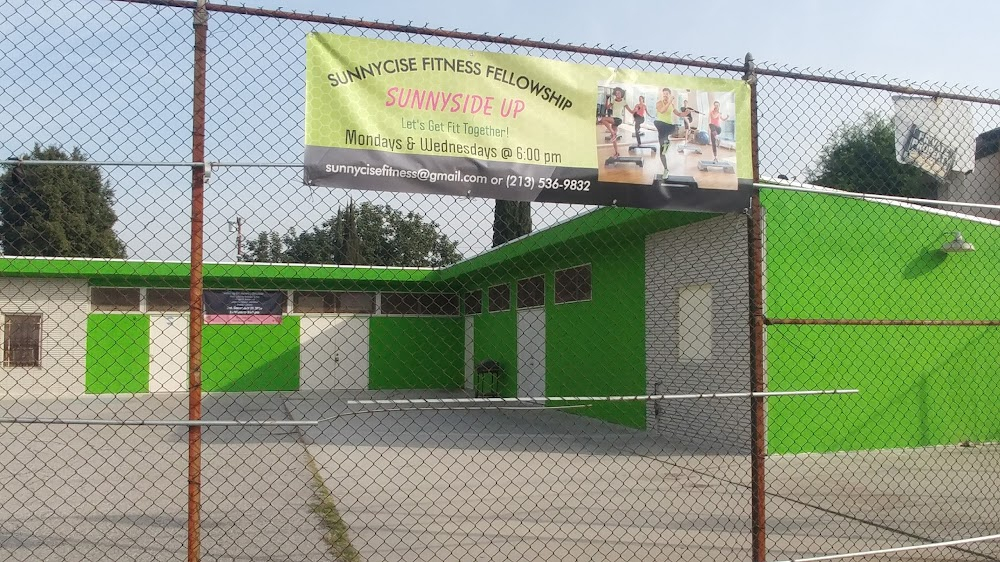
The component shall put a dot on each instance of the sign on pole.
(935, 135)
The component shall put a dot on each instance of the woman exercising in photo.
(666, 108)
(639, 116)
(616, 108)
(715, 119)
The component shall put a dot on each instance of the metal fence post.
(758, 452)
(197, 216)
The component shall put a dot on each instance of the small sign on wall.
(244, 307)
(935, 135)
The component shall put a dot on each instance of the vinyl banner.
(244, 307)
(390, 116)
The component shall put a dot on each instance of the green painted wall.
(830, 257)
(241, 358)
(416, 353)
(592, 348)
(598, 347)
(919, 386)
(117, 354)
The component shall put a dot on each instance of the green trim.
(117, 354)
(122, 273)
(242, 358)
(416, 353)
(610, 223)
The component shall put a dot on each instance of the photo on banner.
(402, 117)
(692, 133)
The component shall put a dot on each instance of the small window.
(427, 304)
(22, 340)
(356, 303)
(400, 303)
(694, 323)
(474, 302)
(306, 302)
(111, 299)
(573, 284)
(168, 300)
(531, 292)
(499, 298)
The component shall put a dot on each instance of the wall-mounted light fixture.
(957, 245)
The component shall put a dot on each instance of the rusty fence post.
(758, 452)
(198, 172)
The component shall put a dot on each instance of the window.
(427, 304)
(531, 292)
(22, 340)
(305, 302)
(573, 284)
(168, 300)
(400, 303)
(499, 298)
(474, 302)
(356, 303)
(694, 323)
(330, 302)
(110, 299)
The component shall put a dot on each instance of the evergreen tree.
(861, 157)
(365, 234)
(57, 210)
(511, 219)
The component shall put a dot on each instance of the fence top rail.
(609, 52)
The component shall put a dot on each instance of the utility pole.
(237, 226)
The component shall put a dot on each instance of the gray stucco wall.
(712, 253)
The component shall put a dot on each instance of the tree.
(57, 210)
(511, 219)
(266, 248)
(365, 234)
(862, 158)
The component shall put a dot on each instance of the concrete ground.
(458, 485)
(534, 485)
(120, 493)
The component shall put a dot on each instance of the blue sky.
(115, 79)
(915, 39)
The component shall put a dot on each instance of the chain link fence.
(444, 378)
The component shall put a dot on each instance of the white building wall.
(712, 253)
(168, 352)
(63, 305)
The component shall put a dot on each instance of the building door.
(470, 353)
(531, 352)
(168, 352)
(334, 353)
